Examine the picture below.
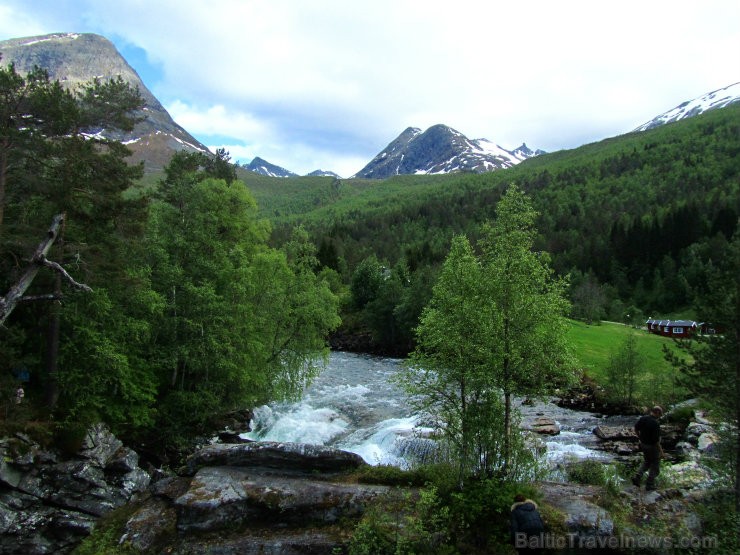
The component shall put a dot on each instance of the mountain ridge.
(76, 58)
(689, 108)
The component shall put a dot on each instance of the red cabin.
(672, 328)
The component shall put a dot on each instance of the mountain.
(323, 173)
(710, 101)
(74, 58)
(441, 149)
(263, 167)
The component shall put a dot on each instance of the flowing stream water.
(353, 405)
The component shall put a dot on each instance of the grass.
(595, 344)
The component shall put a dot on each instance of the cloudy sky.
(329, 83)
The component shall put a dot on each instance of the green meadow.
(594, 345)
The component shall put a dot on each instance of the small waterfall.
(353, 405)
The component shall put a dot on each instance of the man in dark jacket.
(526, 525)
(648, 430)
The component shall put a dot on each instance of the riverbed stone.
(99, 444)
(706, 442)
(226, 496)
(544, 425)
(615, 433)
(286, 456)
(583, 517)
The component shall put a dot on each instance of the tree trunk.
(507, 430)
(737, 404)
(52, 337)
(3, 178)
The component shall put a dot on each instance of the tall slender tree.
(526, 347)
(495, 328)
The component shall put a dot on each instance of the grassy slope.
(594, 345)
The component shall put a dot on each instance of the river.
(353, 405)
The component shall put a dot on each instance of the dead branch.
(38, 260)
(58, 268)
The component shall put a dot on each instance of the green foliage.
(403, 525)
(710, 364)
(721, 521)
(594, 347)
(494, 328)
(626, 365)
(644, 215)
(366, 281)
(242, 323)
(442, 475)
(191, 313)
(595, 473)
(105, 538)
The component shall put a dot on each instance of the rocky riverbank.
(50, 501)
(292, 498)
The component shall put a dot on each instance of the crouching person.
(527, 528)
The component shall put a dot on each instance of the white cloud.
(217, 120)
(285, 74)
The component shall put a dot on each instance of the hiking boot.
(636, 481)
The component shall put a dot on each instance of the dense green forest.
(206, 293)
(636, 221)
(187, 311)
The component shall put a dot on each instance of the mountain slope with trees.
(189, 312)
(637, 220)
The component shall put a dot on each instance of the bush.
(595, 473)
(404, 523)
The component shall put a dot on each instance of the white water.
(352, 405)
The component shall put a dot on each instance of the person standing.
(648, 430)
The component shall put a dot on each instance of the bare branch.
(58, 268)
(34, 298)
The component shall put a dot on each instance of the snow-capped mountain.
(75, 58)
(263, 167)
(323, 173)
(441, 149)
(710, 101)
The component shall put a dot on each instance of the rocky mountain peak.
(75, 58)
(441, 149)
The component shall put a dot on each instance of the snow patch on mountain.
(710, 101)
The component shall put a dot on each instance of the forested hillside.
(187, 312)
(636, 220)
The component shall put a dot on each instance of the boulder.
(99, 445)
(49, 502)
(706, 442)
(696, 429)
(224, 497)
(584, 519)
(545, 426)
(615, 433)
(295, 457)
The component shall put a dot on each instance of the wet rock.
(685, 450)
(687, 475)
(545, 426)
(583, 517)
(610, 433)
(223, 497)
(696, 429)
(296, 457)
(706, 442)
(150, 526)
(50, 502)
(99, 445)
